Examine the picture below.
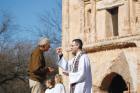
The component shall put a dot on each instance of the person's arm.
(37, 67)
(45, 70)
(62, 63)
(79, 76)
(34, 64)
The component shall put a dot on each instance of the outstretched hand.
(59, 51)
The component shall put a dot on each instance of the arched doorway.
(117, 85)
(114, 83)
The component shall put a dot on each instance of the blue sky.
(26, 12)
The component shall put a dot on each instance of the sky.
(26, 13)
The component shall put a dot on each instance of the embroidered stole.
(75, 69)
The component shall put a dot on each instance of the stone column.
(93, 20)
(132, 16)
(127, 26)
(65, 25)
(137, 19)
(65, 36)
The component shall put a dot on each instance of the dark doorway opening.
(114, 18)
(114, 83)
(117, 85)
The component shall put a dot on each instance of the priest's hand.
(59, 51)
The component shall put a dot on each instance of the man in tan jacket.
(37, 68)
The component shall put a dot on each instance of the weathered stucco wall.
(110, 54)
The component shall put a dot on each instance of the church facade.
(110, 30)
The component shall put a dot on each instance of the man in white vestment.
(78, 68)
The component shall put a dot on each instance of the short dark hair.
(79, 42)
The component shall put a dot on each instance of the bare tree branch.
(5, 23)
(51, 21)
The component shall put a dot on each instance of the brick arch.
(119, 67)
(112, 77)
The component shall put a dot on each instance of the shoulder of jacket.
(36, 51)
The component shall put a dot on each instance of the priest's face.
(74, 48)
